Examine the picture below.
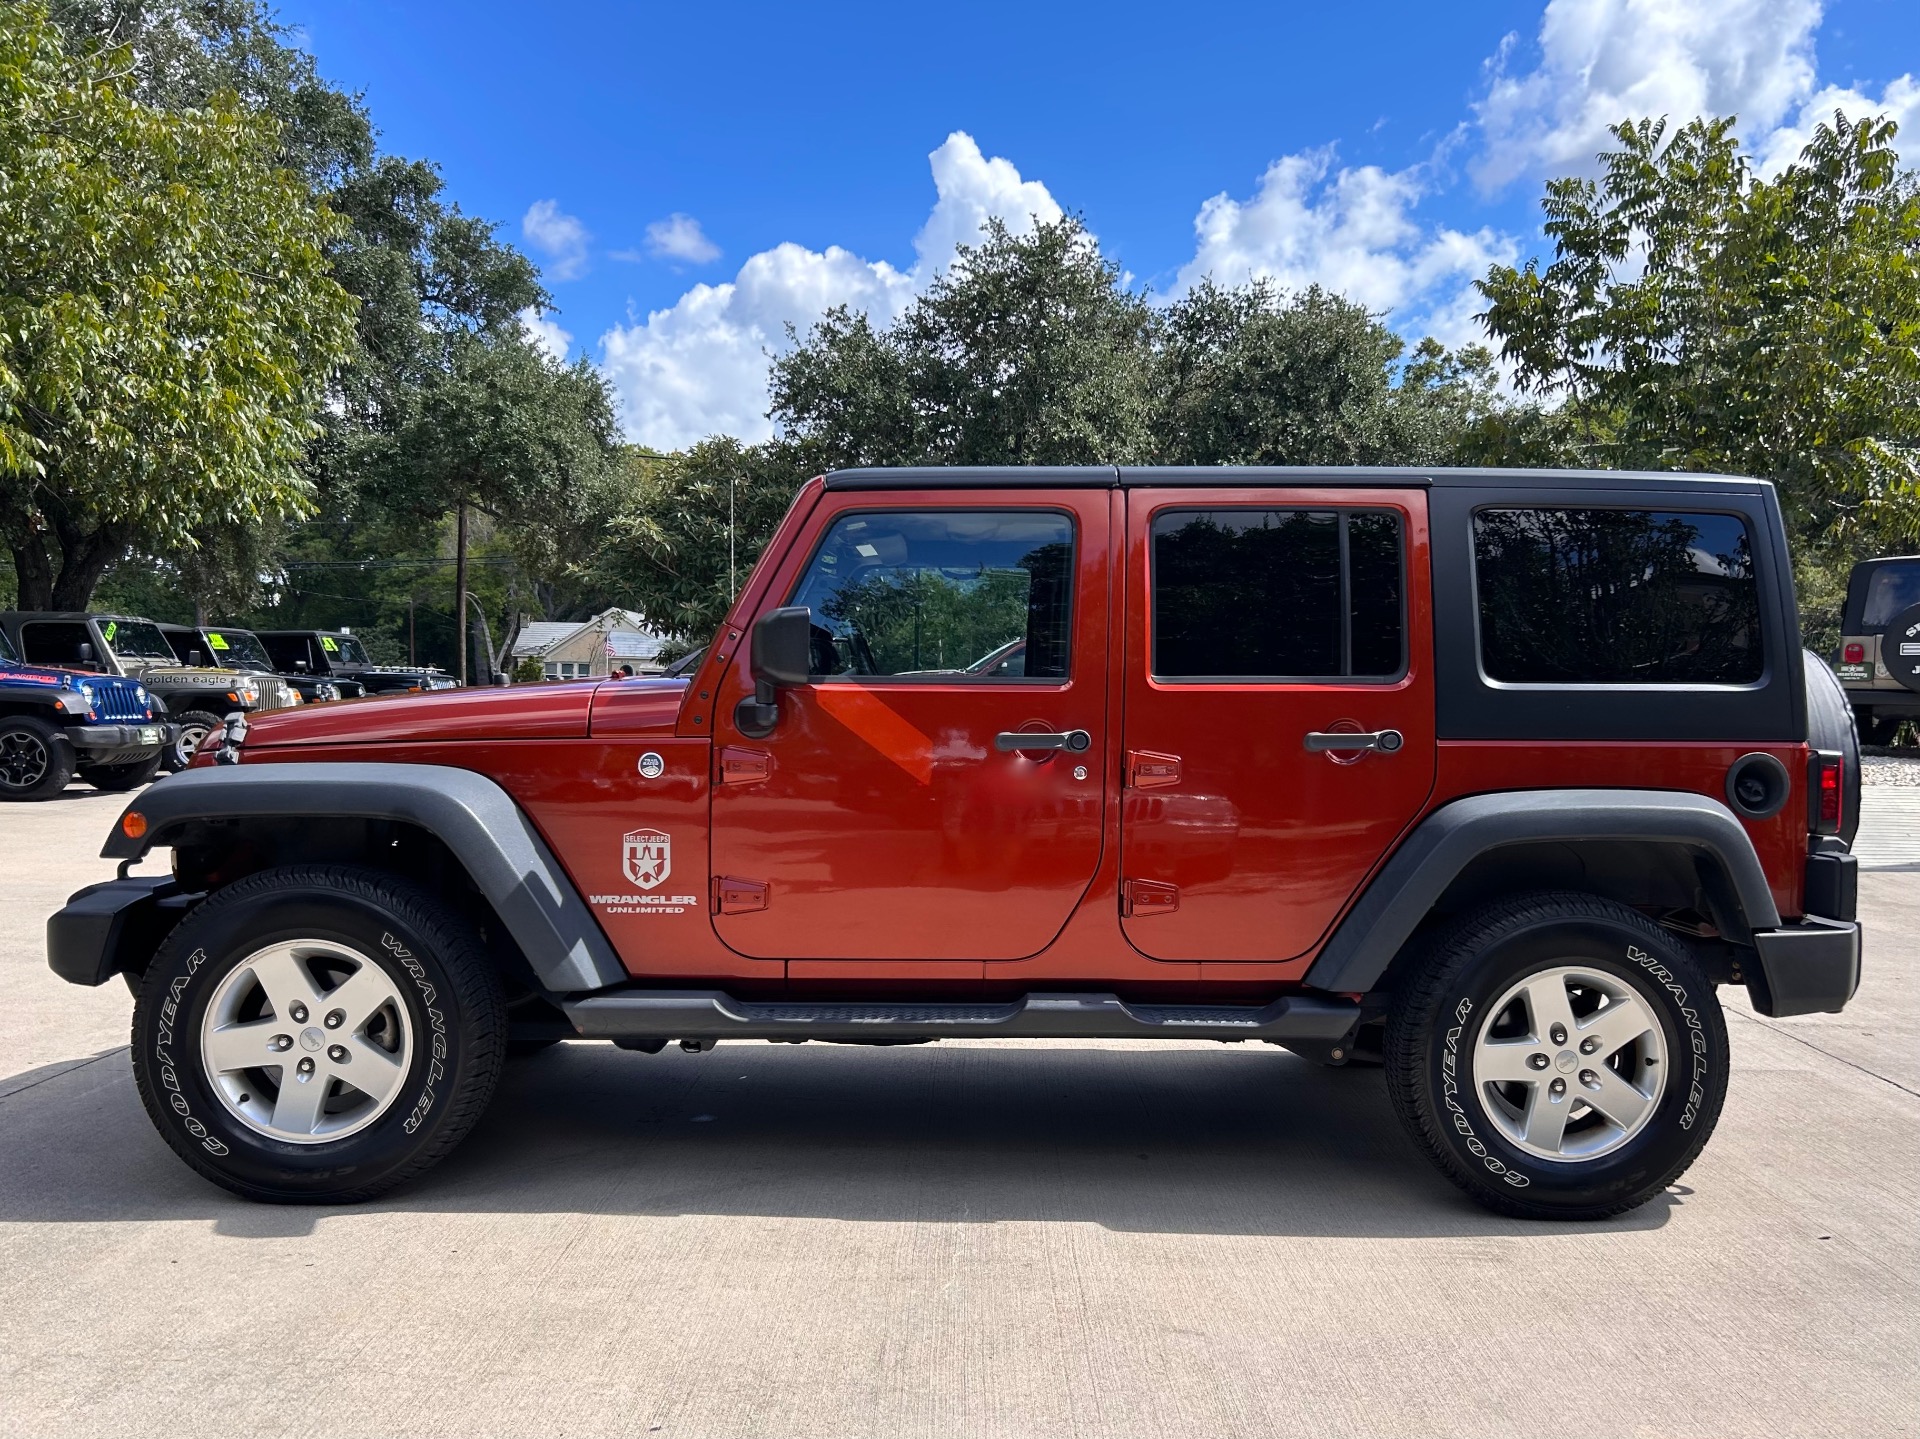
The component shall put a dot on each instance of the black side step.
(1306, 1022)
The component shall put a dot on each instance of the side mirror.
(301, 666)
(85, 653)
(193, 658)
(782, 658)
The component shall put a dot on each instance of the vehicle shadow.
(1240, 1140)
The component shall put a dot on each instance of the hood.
(182, 674)
(51, 679)
(529, 712)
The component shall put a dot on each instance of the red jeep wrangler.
(1491, 777)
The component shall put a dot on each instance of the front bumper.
(95, 740)
(115, 926)
(1812, 967)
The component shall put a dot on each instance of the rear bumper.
(1812, 967)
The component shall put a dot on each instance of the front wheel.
(195, 726)
(1559, 1056)
(36, 761)
(317, 1034)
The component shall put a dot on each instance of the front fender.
(479, 823)
(1405, 890)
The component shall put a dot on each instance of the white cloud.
(699, 367)
(1899, 101)
(1350, 230)
(545, 333)
(558, 236)
(679, 237)
(1603, 61)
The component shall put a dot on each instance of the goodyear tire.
(317, 1034)
(1559, 1056)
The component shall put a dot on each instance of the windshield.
(237, 649)
(8, 655)
(344, 650)
(137, 640)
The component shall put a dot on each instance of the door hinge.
(1140, 898)
(738, 896)
(736, 765)
(1147, 770)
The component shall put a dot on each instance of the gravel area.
(1887, 767)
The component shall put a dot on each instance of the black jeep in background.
(241, 650)
(339, 655)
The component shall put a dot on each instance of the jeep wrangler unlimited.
(1488, 777)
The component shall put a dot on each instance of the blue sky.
(693, 178)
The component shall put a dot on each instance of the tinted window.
(57, 643)
(7, 653)
(943, 594)
(289, 652)
(1277, 594)
(1616, 597)
(1889, 591)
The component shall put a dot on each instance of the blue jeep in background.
(55, 724)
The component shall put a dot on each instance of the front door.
(1279, 711)
(885, 818)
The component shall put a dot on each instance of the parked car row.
(115, 699)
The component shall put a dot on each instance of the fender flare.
(1406, 888)
(478, 822)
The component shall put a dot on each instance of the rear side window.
(960, 596)
(56, 643)
(1890, 590)
(1616, 597)
(1277, 595)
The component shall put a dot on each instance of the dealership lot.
(986, 1238)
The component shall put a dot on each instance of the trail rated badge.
(646, 856)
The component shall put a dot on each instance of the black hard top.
(283, 634)
(962, 477)
(72, 615)
(168, 627)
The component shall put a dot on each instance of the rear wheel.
(317, 1035)
(1559, 1056)
(195, 726)
(119, 778)
(35, 759)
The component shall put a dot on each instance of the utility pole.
(460, 584)
(411, 600)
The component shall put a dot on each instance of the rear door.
(883, 819)
(1279, 711)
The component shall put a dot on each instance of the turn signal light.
(133, 824)
(1826, 795)
(1854, 655)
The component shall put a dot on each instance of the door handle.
(1384, 740)
(1076, 741)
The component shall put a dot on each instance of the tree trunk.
(460, 588)
(33, 575)
(84, 560)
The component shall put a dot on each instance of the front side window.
(57, 644)
(1614, 597)
(955, 595)
(1277, 595)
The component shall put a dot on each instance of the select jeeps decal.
(646, 859)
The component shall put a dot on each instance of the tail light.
(1854, 655)
(1825, 792)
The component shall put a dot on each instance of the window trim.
(959, 680)
(1401, 519)
(1614, 687)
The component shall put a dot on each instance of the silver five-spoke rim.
(307, 1041)
(1570, 1063)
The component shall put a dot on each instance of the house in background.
(581, 649)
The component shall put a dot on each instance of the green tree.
(168, 321)
(1697, 316)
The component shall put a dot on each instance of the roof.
(626, 636)
(954, 477)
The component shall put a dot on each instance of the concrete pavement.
(955, 1239)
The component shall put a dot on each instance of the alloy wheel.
(1570, 1063)
(24, 760)
(307, 1041)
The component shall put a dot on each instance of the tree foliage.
(168, 319)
